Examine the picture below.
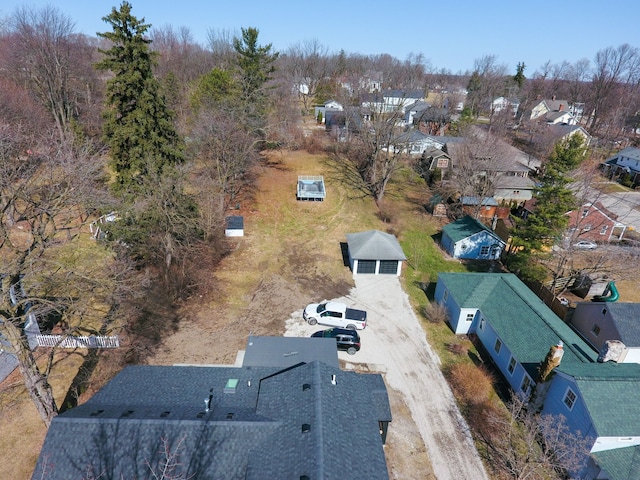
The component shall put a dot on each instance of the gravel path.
(394, 343)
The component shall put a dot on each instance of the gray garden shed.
(375, 252)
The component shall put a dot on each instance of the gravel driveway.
(394, 344)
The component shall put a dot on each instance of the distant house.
(467, 238)
(593, 221)
(414, 111)
(434, 158)
(294, 417)
(411, 142)
(509, 105)
(562, 117)
(328, 105)
(543, 107)
(563, 132)
(610, 326)
(392, 100)
(624, 163)
(375, 252)
(600, 400)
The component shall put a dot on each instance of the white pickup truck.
(335, 314)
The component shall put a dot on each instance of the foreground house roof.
(224, 422)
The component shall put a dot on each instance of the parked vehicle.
(347, 340)
(585, 245)
(335, 314)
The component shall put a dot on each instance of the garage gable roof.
(374, 245)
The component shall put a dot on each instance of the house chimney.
(551, 361)
(613, 350)
(553, 97)
(561, 108)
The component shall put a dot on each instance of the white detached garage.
(374, 252)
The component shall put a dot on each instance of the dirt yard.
(291, 256)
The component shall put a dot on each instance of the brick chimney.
(551, 361)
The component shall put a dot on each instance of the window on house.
(526, 384)
(482, 321)
(595, 330)
(585, 212)
(569, 398)
(484, 250)
(498, 345)
(512, 365)
(587, 227)
(603, 230)
(470, 317)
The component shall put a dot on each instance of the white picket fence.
(77, 342)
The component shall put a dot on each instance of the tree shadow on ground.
(346, 173)
(429, 289)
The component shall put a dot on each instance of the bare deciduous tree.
(307, 66)
(52, 62)
(478, 162)
(45, 191)
(225, 152)
(612, 67)
(521, 445)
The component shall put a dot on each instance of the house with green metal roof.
(601, 400)
(467, 238)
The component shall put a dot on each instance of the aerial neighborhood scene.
(223, 256)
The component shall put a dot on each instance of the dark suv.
(347, 340)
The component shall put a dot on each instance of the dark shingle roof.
(276, 424)
(626, 318)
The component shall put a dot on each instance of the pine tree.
(519, 77)
(554, 199)
(138, 124)
(256, 66)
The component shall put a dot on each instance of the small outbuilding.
(311, 187)
(234, 226)
(467, 238)
(375, 252)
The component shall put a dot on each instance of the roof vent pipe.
(333, 379)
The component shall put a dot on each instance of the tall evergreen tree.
(519, 77)
(256, 65)
(138, 126)
(554, 199)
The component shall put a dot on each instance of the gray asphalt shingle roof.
(276, 424)
(626, 318)
(374, 245)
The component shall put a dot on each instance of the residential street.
(394, 344)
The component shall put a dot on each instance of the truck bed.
(354, 314)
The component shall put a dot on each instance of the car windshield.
(321, 308)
